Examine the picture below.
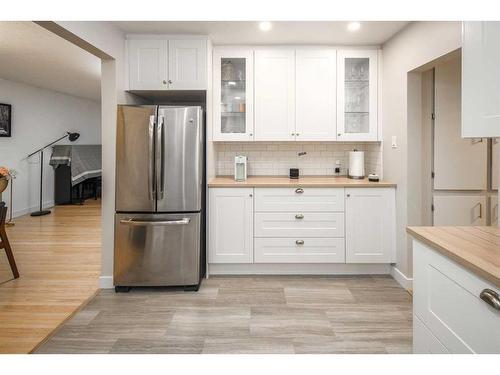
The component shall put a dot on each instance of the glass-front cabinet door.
(357, 95)
(233, 94)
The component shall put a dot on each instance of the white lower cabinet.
(447, 304)
(302, 225)
(231, 225)
(370, 219)
(299, 250)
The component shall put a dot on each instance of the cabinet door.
(233, 94)
(459, 210)
(187, 64)
(459, 164)
(494, 210)
(315, 95)
(147, 64)
(275, 95)
(480, 79)
(495, 165)
(357, 95)
(370, 225)
(231, 225)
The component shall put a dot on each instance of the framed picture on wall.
(5, 120)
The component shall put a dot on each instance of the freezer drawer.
(157, 249)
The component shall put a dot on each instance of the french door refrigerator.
(159, 221)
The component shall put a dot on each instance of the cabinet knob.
(299, 242)
(251, 134)
(293, 134)
(339, 134)
(299, 190)
(299, 216)
(297, 134)
(170, 81)
(348, 195)
(164, 82)
(250, 195)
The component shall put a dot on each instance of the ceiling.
(282, 32)
(33, 55)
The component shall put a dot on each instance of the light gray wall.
(40, 116)
(414, 46)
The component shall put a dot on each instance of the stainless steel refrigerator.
(159, 222)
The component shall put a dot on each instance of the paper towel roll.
(356, 164)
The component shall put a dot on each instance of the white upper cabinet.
(480, 79)
(275, 95)
(232, 94)
(315, 95)
(357, 95)
(147, 64)
(187, 64)
(370, 222)
(160, 64)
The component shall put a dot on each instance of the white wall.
(40, 116)
(106, 41)
(411, 48)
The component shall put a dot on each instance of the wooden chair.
(4, 241)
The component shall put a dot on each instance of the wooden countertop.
(305, 181)
(475, 248)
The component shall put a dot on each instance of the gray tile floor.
(257, 314)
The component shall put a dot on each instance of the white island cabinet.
(455, 310)
(305, 226)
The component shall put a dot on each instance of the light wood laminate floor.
(58, 257)
(260, 314)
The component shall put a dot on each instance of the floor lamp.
(72, 137)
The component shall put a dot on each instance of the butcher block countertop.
(475, 248)
(285, 181)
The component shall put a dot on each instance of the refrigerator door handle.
(138, 222)
(151, 182)
(160, 154)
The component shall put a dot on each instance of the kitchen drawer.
(446, 300)
(300, 224)
(299, 199)
(299, 250)
(424, 342)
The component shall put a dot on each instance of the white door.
(481, 79)
(147, 64)
(187, 64)
(459, 210)
(232, 94)
(315, 104)
(370, 215)
(275, 95)
(459, 164)
(357, 95)
(495, 165)
(230, 225)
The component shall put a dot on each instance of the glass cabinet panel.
(233, 95)
(357, 95)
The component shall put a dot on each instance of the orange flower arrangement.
(4, 172)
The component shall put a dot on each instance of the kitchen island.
(456, 280)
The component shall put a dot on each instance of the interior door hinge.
(433, 116)
(432, 174)
(432, 207)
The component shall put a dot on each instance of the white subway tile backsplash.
(276, 158)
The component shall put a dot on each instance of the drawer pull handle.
(299, 242)
(299, 190)
(491, 298)
(299, 216)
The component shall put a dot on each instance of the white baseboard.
(106, 282)
(401, 278)
(299, 269)
(27, 210)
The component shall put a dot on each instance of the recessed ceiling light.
(265, 25)
(353, 26)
